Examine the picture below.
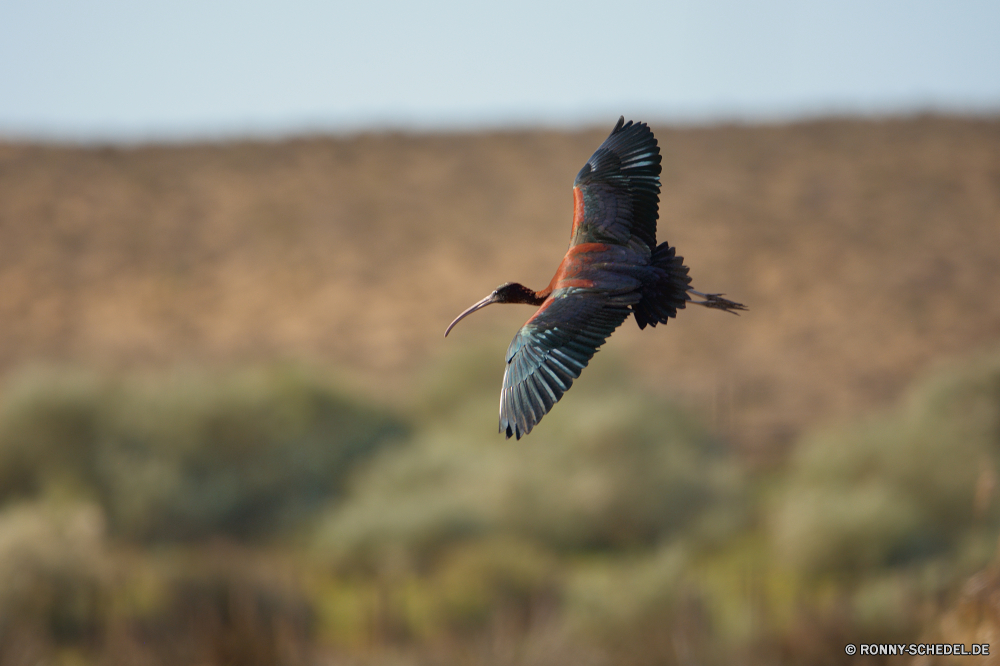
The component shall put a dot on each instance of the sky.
(127, 70)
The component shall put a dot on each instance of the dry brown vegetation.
(865, 249)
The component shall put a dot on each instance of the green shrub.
(478, 579)
(53, 573)
(899, 488)
(188, 455)
(616, 593)
(606, 469)
(50, 424)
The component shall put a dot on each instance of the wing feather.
(549, 352)
(620, 187)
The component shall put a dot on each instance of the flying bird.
(613, 268)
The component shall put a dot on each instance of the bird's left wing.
(551, 350)
(617, 192)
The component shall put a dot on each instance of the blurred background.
(232, 235)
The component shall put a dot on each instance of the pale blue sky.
(129, 70)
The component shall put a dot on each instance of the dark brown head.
(510, 292)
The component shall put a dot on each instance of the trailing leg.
(716, 302)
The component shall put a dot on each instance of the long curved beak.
(478, 306)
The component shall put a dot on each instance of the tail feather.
(663, 296)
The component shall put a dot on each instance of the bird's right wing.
(551, 350)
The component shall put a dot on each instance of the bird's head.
(509, 292)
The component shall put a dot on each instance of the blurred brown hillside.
(864, 249)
